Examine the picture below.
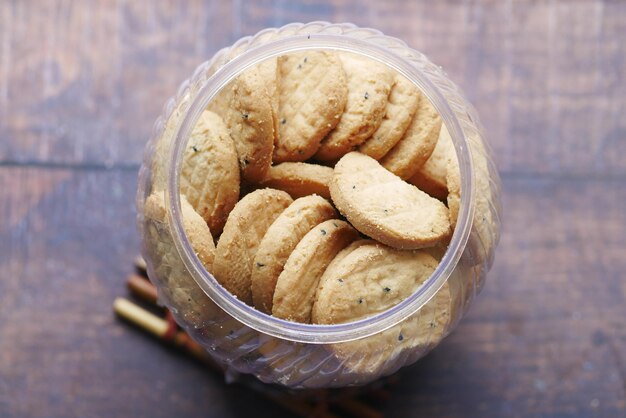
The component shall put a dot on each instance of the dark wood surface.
(80, 86)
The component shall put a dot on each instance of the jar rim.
(314, 333)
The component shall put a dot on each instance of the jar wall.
(302, 365)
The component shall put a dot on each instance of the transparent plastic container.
(296, 355)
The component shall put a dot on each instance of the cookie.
(312, 91)
(246, 108)
(368, 281)
(244, 230)
(401, 107)
(299, 179)
(210, 175)
(382, 206)
(453, 180)
(268, 71)
(343, 253)
(280, 240)
(431, 177)
(369, 85)
(297, 284)
(417, 144)
(484, 235)
(197, 231)
(401, 344)
(177, 287)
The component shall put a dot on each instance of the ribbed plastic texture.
(305, 365)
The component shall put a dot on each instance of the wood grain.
(81, 84)
(547, 336)
(62, 351)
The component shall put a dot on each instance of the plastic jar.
(299, 355)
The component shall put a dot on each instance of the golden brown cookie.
(384, 207)
(484, 234)
(297, 284)
(313, 92)
(299, 179)
(210, 175)
(431, 177)
(343, 253)
(417, 144)
(369, 85)
(453, 180)
(268, 70)
(280, 240)
(246, 108)
(368, 281)
(401, 344)
(401, 107)
(196, 228)
(244, 230)
(177, 286)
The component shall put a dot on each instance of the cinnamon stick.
(140, 265)
(142, 288)
(315, 405)
(158, 327)
(357, 409)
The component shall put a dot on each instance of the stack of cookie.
(315, 188)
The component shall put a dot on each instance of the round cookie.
(370, 280)
(431, 177)
(246, 108)
(343, 253)
(197, 231)
(369, 85)
(244, 230)
(384, 207)
(209, 176)
(177, 285)
(312, 91)
(401, 344)
(401, 107)
(299, 179)
(417, 144)
(280, 240)
(297, 284)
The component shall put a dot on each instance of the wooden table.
(80, 86)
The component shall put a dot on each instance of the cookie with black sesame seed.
(432, 176)
(343, 253)
(246, 226)
(401, 107)
(483, 236)
(312, 92)
(369, 85)
(369, 280)
(296, 286)
(406, 341)
(382, 206)
(280, 240)
(181, 289)
(299, 179)
(246, 108)
(417, 144)
(210, 175)
(197, 231)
